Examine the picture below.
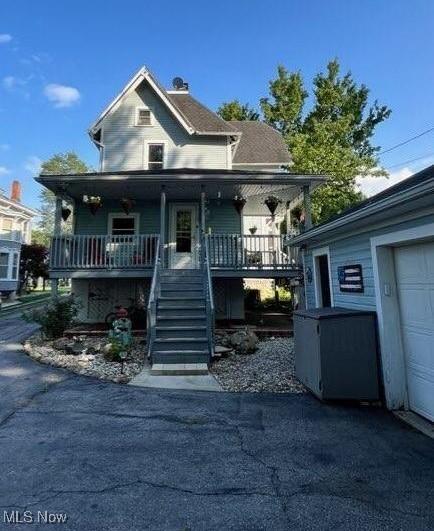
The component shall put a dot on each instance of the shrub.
(55, 318)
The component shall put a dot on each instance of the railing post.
(162, 226)
(307, 207)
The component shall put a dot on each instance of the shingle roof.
(201, 119)
(259, 143)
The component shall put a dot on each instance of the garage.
(414, 269)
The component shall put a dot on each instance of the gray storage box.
(336, 353)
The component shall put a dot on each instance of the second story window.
(143, 117)
(155, 156)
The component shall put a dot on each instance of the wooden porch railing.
(75, 252)
(233, 251)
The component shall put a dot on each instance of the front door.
(183, 236)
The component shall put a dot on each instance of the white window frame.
(113, 215)
(136, 120)
(9, 265)
(321, 251)
(146, 152)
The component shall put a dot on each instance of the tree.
(33, 264)
(334, 138)
(234, 110)
(58, 164)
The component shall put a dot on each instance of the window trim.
(151, 116)
(9, 264)
(113, 215)
(146, 152)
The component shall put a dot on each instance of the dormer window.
(143, 117)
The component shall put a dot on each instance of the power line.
(409, 161)
(406, 141)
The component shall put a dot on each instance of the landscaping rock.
(244, 341)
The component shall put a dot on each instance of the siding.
(124, 142)
(356, 250)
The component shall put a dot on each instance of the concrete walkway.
(128, 458)
(200, 382)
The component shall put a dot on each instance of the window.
(7, 227)
(155, 156)
(123, 225)
(15, 266)
(4, 265)
(144, 117)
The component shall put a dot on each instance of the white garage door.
(414, 266)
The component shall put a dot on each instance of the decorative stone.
(244, 341)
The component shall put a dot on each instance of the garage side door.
(414, 267)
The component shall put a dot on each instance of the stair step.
(178, 294)
(181, 297)
(176, 312)
(181, 306)
(179, 369)
(166, 332)
(170, 321)
(186, 356)
(179, 344)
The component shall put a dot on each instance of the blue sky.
(62, 62)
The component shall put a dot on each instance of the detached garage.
(380, 256)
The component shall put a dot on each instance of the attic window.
(144, 117)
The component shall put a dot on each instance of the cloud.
(5, 147)
(5, 37)
(61, 95)
(4, 170)
(9, 82)
(374, 185)
(33, 165)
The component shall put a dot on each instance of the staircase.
(181, 325)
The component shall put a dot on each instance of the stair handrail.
(209, 296)
(152, 303)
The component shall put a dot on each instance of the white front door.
(414, 267)
(183, 236)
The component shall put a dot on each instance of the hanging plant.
(272, 202)
(93, 202)
(66, 212)
(127, 204)
(239, 201)
(253, 229)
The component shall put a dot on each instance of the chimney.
(16, 191)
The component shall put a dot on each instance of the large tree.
(334, 137)
(234, 110)
(58, 164)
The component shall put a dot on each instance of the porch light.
(93, 202)
(239, 201)
(127, 205)
(65, 213)
(272, 202)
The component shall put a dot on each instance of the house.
(379, 256)
(162, 221)
(15, 229)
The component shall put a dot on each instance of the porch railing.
(234, 251)
(103, 251)
(152, 303)
(209, 296)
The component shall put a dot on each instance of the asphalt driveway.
(125, 458)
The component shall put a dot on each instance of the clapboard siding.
(356, 250)
(124, 142)
(222, 218)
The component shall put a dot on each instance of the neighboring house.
(380, 256)
(164, 215)
(15, 229)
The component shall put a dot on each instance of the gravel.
(269, 369)
(89, 364)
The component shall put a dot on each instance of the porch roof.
(180, 183)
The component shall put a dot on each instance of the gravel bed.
(269, 369)
(90, 364)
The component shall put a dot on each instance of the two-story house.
(15, 229)
(162, 221)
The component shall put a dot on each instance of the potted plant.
(93, 202)
(65, 213)
(239, 201)
(253, 229)
(127, 204)
(272, 202)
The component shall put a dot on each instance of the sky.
(63, 62)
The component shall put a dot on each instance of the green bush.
(54, 318)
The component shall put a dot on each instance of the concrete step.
(163, 332)
(181, 343)
(185, 356)
(178, 369)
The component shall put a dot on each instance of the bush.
(55, 318)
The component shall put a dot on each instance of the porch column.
(56, 232)
(202, 211)
(162, 225)
(307, 207)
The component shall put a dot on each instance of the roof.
(259, 143)
(419, 183)
(201, 119)
(16, 206)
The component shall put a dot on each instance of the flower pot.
(272, 202)
(66, 212)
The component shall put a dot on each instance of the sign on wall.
(350, 278)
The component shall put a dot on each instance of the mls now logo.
(28, 517)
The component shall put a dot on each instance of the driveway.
(125, 458)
